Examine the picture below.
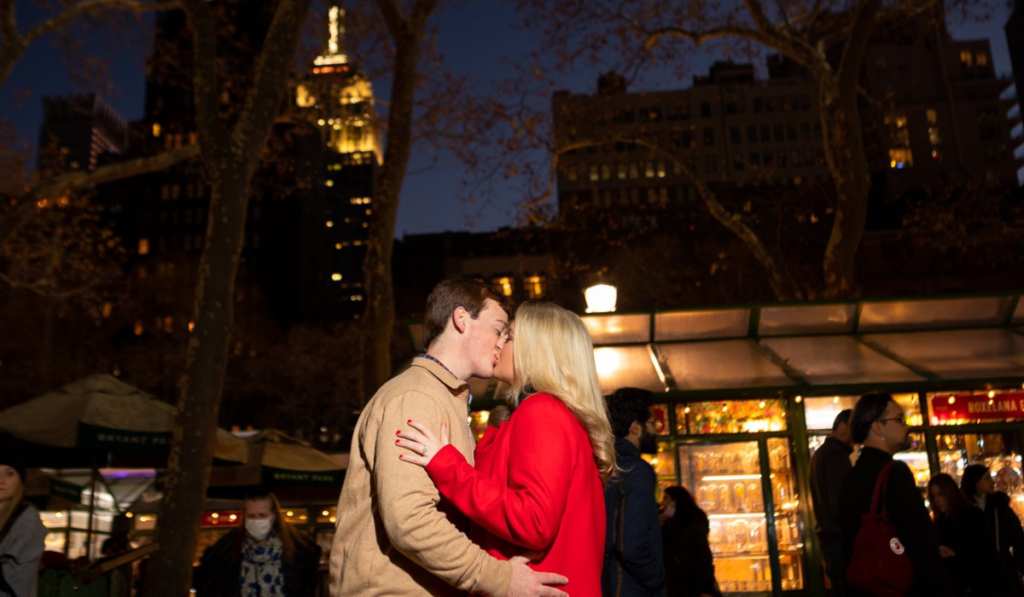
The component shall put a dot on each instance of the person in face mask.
(264, 556)
(689, 564)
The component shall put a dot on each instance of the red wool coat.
(535, 490)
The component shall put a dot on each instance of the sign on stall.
(968, 407)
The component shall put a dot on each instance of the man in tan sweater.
(395, 535)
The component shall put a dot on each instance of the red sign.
(971, 407)
(222, 518)
(660, 412)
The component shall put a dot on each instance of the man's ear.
(635, 428)
(459, 317)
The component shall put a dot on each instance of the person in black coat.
(829, 466)
(264, 557)
(632, 557)
(969, 559)
(879, 424)
(689, 564)
(1004, 528)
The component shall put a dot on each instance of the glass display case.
(786, 505)
(727, 481)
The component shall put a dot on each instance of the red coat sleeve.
(528, 511)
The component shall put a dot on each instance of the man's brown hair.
(448, 296)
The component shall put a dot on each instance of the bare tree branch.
(211, 132)
(28, 204)
(853, 53)
(45, 288)
(14, 43)
(782, 284)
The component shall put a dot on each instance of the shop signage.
(105, 438)
(286, 478)
(970, 407)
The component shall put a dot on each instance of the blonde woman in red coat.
(537, 488)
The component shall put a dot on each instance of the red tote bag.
(879, 564)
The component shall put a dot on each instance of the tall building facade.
(942, 124)
(731, 130)
(943, 121)
(77, 131)
(336, 98)
(1015, 42)
(311, 196)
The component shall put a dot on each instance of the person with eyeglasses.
(878, 423)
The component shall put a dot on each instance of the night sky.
(477, 39)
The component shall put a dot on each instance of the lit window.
(534, 286)
(337, 245)
(336, 277)
(156, 129)
(330, 224)
(932, 116)
(900, 158)
(303, 98)
(966, 57)
(328, 183)
(981, 59)
(143, 246)
(504, 285)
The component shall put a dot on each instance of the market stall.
(750, 392)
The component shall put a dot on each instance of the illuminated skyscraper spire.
(335, 51)
(338, 97)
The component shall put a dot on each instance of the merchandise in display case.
(731, 416)
(786, 507)
(727, 482)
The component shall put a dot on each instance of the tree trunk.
(188, 468)
(852, 180)
(231, 158)
(379, 317)
(844, 150)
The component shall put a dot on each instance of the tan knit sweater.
(391, 537)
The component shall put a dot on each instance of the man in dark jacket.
(829, 467)
(633, 562)
(264, 556)
(879, 424)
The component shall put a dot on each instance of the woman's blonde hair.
(7, 509)
(554, 355)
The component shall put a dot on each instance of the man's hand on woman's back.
(528, 583)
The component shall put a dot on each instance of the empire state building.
(339, 97)
(336, 98)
